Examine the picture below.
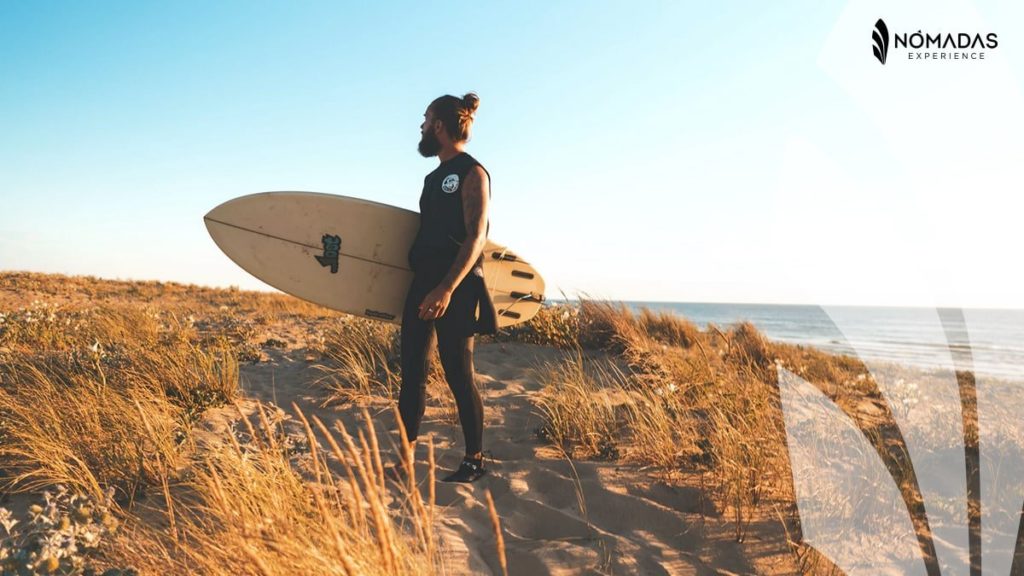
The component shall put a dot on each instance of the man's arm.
(475, 194)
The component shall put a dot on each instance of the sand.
(558, 517)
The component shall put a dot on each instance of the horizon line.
(270, 289)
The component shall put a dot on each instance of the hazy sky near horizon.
(669, 151)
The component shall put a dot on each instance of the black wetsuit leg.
(417, 342)
(454, 338)
(457, 360)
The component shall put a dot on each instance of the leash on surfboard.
(519, 297)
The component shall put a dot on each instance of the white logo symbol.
(451, 183)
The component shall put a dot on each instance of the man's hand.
(435, 304)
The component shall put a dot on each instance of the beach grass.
(103, 384)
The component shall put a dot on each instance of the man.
(448, 287)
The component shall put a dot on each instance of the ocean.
(991, 342)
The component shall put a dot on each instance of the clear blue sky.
(643, 151)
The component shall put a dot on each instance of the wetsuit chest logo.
(450, 184)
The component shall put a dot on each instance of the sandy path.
(630, 524)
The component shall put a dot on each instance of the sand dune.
(558, 516)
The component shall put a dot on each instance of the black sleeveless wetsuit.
(441, 233)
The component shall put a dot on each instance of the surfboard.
(351, 254)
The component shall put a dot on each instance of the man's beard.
(429, 145)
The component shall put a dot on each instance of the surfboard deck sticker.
(351, 254)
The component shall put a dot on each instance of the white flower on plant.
(6, 520)
(89, 538)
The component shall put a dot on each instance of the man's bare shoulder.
(477, 175)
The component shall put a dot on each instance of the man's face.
(429, 144)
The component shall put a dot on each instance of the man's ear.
(438, 127)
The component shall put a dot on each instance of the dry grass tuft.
(669, 328)
(254, 508)
(96, 396)
(360, 360)
(578, 407)
(72, 429)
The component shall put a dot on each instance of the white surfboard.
(350, 254)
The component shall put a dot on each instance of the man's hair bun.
(471, 102)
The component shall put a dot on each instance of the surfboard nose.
(214, 212)
(224, 211)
